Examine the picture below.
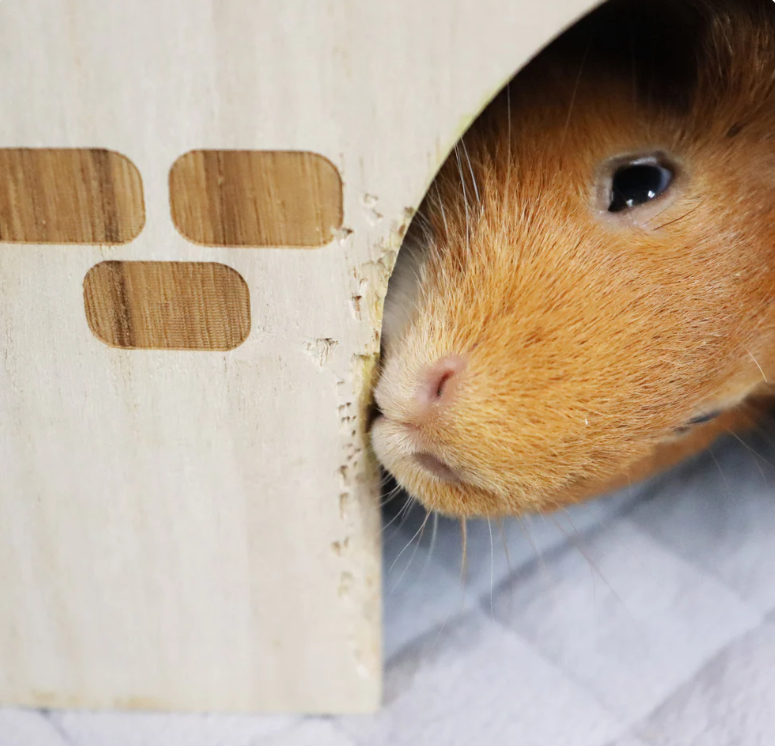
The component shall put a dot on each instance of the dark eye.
(637, 183)
(698, 420)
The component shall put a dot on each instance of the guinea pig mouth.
(436, 467)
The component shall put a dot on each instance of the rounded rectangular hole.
(255, 198)
(167, 305)
(69, 196)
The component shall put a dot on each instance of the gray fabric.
(643, 619)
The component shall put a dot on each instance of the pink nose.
(438, 384)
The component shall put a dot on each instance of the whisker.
(464, 559)
(675, 220)
(765, 431)
(539, 556)
(507, 191)
(757, 365)
(465, 200)
(405, 509)
(434, 532)
(471, 171)
(386, 479)
(576, 87)
(612, 536)
(502, 529)
(442, 211)
(492, 569)
(720, 470)
(463, 534)
(657, 214)
(756, 455)
(510, 603)
(596, 570)
(411, 559)
(392, 495)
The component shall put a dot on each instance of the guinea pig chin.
(426, 469)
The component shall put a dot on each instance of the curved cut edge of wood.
(145, 305)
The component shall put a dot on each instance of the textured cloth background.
(646, 618)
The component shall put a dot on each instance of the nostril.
(438, 381)
(442, 383)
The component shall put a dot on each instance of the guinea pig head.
(585, 294)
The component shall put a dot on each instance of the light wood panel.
(188, 530)
(167, 305)
(254, 198)
(69, 195)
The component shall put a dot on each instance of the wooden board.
(198, 529)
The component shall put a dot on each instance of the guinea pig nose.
(438, 383)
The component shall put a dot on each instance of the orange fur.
(590, 342)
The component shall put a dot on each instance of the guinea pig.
(585, 296)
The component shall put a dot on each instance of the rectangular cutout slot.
(254, 198)
(167, 305)
(69, 196)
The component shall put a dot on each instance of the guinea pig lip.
(435, 466)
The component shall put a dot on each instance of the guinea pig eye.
(703, 418)
(634, 184)
(698, 420)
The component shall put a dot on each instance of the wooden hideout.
(201, 202)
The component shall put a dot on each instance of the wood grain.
(69, 196)
(255, 198)
(167, 305)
